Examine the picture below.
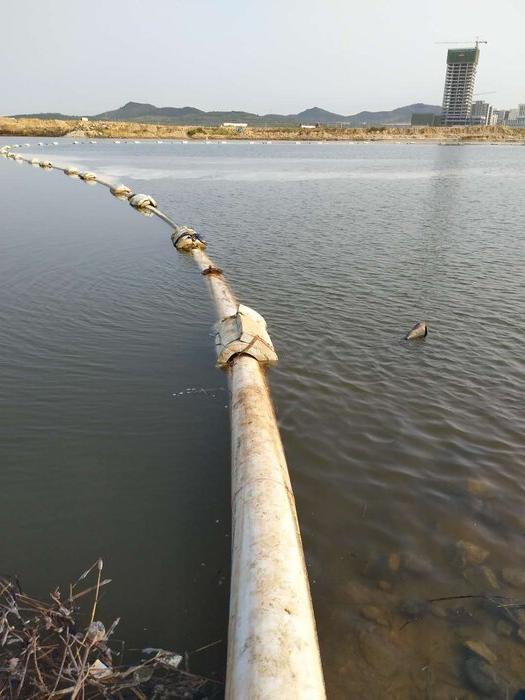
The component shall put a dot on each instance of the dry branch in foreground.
(45, 652)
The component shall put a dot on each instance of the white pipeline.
(272, 642)
(273, 652)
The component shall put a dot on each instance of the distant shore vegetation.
(10, 126)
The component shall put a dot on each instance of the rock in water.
(504, 628)
(514, 577)
(414, 609)
(374, 614)
(416, 564)
(394, 561)
(482, 678)
(481, 650)
(471, 553)
(477, 487)
(420, 330)
(481, 577)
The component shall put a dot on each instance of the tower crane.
(477, 41)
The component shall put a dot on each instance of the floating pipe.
(272, 642)
(273, 650)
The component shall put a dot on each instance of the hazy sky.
(263, 56)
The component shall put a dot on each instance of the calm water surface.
(406, 458)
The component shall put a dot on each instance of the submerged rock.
(471, 553)
(503, 628)
(482, 678)
(490, 577)
(438, 612)
(385, 586)
(514, 577)
(376, 649)
(414, 608)
(481, 650)
(376, 566)
(394, 561)
(416, 564)
(375, 614)
(482, 577)
(477, 487)
(356, 592)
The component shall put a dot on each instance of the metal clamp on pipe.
(244, 334)
(186, 238)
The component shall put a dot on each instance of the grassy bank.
(131, 130)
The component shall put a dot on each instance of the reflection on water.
(406, 458)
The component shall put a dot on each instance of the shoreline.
(132, 130)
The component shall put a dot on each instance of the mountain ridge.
(192, 116)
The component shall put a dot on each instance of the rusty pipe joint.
(244, 333)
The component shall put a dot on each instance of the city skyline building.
(459, 85)
(516, 116)
(481, 113)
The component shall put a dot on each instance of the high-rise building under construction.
(459, 85)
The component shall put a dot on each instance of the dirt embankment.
(132, 130)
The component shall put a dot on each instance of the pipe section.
(272, 642)
(273, 650)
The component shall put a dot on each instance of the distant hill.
(144, 112)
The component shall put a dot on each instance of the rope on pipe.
(273, 650)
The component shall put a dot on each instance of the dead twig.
(46, 653)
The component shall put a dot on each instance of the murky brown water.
(406, 458)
